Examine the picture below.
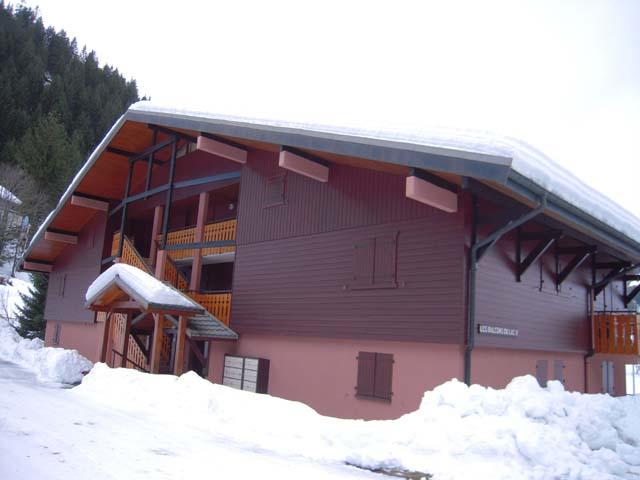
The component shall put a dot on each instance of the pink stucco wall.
(495, 367)
(322, 372)
(84, 337)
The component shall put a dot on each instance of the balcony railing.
(616, 333)
(218, 304)
(130, 255)
(213, 232)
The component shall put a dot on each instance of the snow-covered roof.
(150, 292)
(474, 145)
(469, 153)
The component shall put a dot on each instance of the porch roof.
(122, 281)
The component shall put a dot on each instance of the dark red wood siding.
(294, 271)
(545, 318)
(74, 270)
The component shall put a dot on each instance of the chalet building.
(345, 269)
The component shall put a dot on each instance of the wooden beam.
(196, 268)
(105, 337)
(221, 149)
(155, 231)
(126, 306)
(156, 347)
(85, 202)
(68, 238)
(196, 351)
(125, 340)
(161, 261)
(303, 165)
(430, 194)
(542, 246)
(37, 266)
(178, 363)
(631, 295)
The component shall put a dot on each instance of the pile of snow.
(57, 365)
(50, 364)
(148, 288)
(523, 431)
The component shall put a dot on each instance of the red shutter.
(366, 374)
(385, 261)
(384, 376)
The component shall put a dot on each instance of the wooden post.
(105, 338)
(155, 231)
(178, 364)
(125, 340)
(156, 347)
(196, 268)
(160, 264)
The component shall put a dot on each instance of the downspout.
(478, 249)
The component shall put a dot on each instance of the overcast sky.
(563, 76)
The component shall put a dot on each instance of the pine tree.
(31, 322)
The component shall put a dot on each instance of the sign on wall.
(495, 330)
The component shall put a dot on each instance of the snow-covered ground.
(121, 423)
(125, 424)
(60, 434)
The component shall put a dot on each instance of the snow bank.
(458, 432)
(50, 364)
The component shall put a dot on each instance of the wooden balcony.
(218, 304)
(616, 333)
(213, 232)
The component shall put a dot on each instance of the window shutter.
(542, 372)
(385, 260)
(366, 374)
(363, 257)
(558, 370)
(383, 376)
(274, 194)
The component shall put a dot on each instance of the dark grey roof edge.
(459, 162)
(520, 184)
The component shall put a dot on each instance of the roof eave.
(74, 184)
(521, 185)
(458, 162)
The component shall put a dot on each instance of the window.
(375, 373)
(274, 194)
(632, 376)
(375, 262)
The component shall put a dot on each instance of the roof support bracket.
(616, 269)
(304, 164)
(629, 296)
(580, 255)
(431, 190)
(545, 240)
(220, 147)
